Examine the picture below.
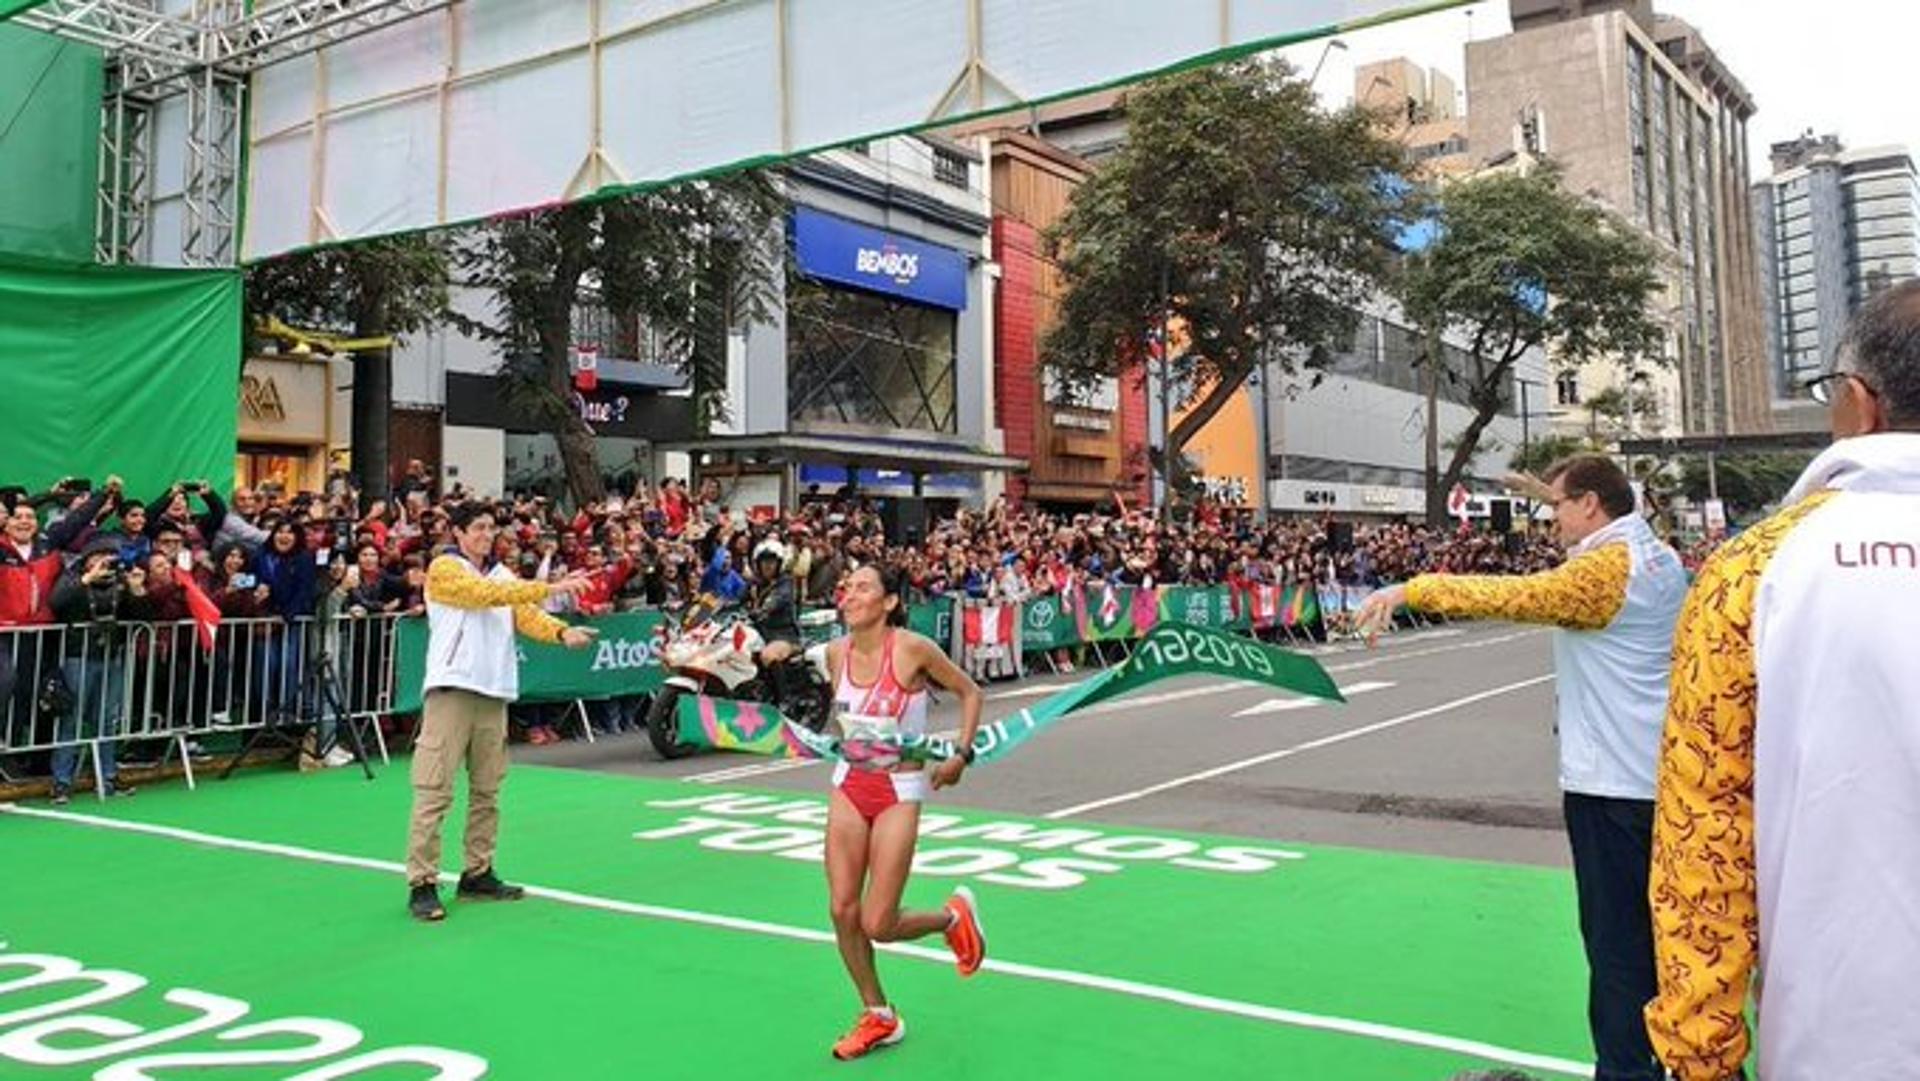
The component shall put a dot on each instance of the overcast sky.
(1840, 66)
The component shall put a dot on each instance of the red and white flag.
(205, 613)
(1109, 604)
(989, 626)
(1266, 605)
(586, 369)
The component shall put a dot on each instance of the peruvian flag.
(1266, 605)
(205, 613)
(991, 626)
(1109, 604)
(586, 368)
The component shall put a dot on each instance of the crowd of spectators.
(276, 556)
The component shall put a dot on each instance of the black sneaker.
(119, 788)
(62, 795)
(486, 886)
(424, 903)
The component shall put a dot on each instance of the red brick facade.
(1060, 471)
(1016, 376)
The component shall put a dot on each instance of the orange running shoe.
(871, 1031)
(965, 937)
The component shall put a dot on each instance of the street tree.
(390, 287)
(1240, 221)
(1545, 450)
(1517, 263)
(691, 262)
(1745, 483)
(1618, 411)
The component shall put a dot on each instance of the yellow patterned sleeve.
(454, 583)
(1582, 594)
(1702, 887)
(535, 623)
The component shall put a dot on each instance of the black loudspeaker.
(1340, 536)
(1502, 511)
(905, 519)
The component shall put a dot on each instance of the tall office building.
(1643, 117)
(1421, 111)
(1835, 226)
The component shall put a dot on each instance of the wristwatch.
(966, 754)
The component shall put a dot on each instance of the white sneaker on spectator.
(338, 757)
(221, 719)
(197, 752)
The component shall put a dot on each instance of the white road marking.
(753, 769)
(1283, 705)
(1301, 748)
(1028, 692)
(1092, 981)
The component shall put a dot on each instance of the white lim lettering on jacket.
(1836, 635)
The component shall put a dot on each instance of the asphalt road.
(1445, 747)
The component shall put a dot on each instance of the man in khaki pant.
(473, 610)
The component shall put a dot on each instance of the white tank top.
(884, 699)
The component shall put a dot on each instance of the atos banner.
(847, 253)
(620, 662)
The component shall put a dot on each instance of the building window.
(1566, 388)
(1101, 395)
(1684, 177)
(864, 359)
(533, 463)
(1453, 144)
(613, 337)
(1662, 142)
(949, 167)
(1637, 131)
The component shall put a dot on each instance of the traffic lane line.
(1335, 738)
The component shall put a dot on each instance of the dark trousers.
(1612, 848)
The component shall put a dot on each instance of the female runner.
(881, 674)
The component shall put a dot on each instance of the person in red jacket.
(30, 564)
(605, 580)
(31, 561)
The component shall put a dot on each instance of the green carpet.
(560, 988)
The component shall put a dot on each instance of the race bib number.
(869, 742)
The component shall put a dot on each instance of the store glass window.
(864, 359)
(533, 464)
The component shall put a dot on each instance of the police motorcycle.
(715, 649)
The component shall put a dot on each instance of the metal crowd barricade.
(65, 691)
(146, 682)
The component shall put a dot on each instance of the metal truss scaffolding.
(213, 167)
(201, 50)
(126, 178)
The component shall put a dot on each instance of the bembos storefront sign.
(848, 253)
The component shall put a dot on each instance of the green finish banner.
(125, 370)
(620, 662)
(1169, 651)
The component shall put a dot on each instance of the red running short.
(873, 791)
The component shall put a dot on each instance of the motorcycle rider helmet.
(770, 549)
